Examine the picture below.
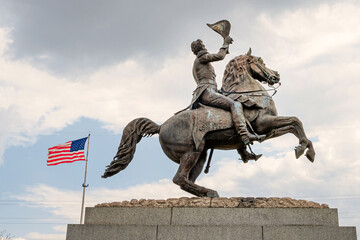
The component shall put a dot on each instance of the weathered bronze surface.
(211, 123)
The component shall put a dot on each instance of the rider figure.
(207, 93)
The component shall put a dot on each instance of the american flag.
(67, 153)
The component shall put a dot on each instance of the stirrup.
(249, 138)
(260, 137)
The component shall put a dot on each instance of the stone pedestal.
(201, 218)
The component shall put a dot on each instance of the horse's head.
(258, 70)
(246, 67)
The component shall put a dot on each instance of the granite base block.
(208, 219)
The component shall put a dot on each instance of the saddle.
(206, 119)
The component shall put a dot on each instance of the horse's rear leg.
(275, 126)
(187, 163)
(196, 171)
(300, 149)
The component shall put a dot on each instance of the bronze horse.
(179, 135)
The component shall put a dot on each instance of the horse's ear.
(249, 52)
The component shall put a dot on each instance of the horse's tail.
(132, 134)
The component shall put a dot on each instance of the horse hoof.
(299, 151)
(212, 194)
(310, 155)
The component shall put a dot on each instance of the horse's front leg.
(275, 126)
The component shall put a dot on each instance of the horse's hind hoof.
(212, 194)
(299, 151)
(310, 155)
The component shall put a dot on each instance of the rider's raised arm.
(217, 56)
(212, 57)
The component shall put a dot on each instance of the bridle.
(274, 88)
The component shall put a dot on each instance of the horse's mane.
(234, 69)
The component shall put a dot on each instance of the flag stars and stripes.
(67, 153)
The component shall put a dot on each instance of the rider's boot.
(240, 125)
(246, 136)
(246, 156)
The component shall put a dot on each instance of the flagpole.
(84, 184)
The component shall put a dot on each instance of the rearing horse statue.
(240, 76)
(186, 137)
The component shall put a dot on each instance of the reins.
(253, 91)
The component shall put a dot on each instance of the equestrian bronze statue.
(232, 118)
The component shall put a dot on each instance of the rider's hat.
(221, 27)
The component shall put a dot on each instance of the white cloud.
(305, 34)
(66, 203)
(334, 173)
(314, 49)
(4, 40)
(42, 236)
(34, 102)
(317, 54)
(60, 228)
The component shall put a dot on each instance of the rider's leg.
(212, 98)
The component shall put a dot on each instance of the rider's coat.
(204, 75)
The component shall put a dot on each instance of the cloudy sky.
(68, 68)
